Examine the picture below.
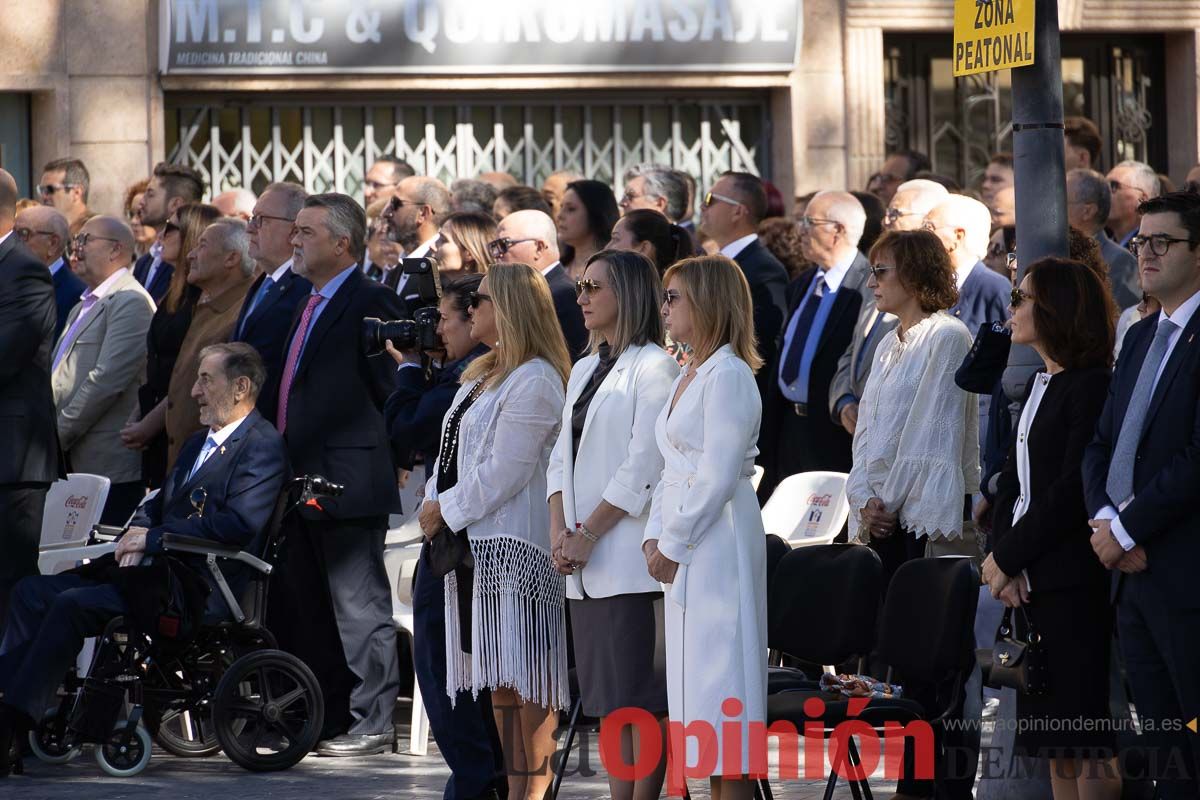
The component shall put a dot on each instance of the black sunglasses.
(1017, 297)
(475, 298)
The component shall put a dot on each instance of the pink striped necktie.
(293, 358)
(87, 301)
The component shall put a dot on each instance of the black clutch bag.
(1015, 662)
(448, 551)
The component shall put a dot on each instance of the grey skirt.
(620, 653)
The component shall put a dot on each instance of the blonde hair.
(722, 312)
(471, 231)
(527, 323)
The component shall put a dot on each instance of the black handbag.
(448, 551)
(1015, 662)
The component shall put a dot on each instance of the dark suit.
(1122, 271)
(335, 428)
(768, 291)
(1158, 610)
(162, 277)
(984, 297)
(266, 329)
(570, 315)
(29, 455)
(792, 443)
(67, 291)
(53, 614)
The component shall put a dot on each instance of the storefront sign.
(992, 34)
(477, 36)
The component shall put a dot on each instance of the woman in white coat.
(705, 536)
(602, 474)
(505, 627)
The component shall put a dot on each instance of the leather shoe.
(361, 744)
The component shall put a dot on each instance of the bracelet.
(586, 532)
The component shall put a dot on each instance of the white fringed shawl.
(518, 637)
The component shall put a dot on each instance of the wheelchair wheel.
(49, 741)
(124, 755)
(268, 711)
(188, 734)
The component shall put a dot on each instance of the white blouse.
(916, 446)
(1028, 414)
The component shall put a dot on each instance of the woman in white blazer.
(505, 622)
(705, 536)
(602, 474)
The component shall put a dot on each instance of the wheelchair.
(226, 686)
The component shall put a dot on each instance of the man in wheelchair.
(223, 489)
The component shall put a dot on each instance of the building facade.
(809, 93)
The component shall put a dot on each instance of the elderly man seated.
(238, 466)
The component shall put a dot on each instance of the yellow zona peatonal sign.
(991, 35)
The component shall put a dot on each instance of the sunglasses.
(589, 286)
(81, 241)
(894, 215)
(669, 298)
(51, 189)
(498, 247)
(170, 227)
(878, 271)
(711, 198)
(1018, 297)
(475, 298)
(1117, 186)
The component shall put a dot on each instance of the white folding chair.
(72, 507)
(400, 560)
(757, 477)
(808, 509)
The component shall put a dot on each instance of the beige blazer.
(95, 385)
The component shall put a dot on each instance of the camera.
(418, 333)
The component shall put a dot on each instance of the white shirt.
(216, 438)
(916, 447)
(156, 253)
(832, 278)
(282, 268)
(1028, 414)
(422, 250)
(547, 270)
(735, 247)
(961, 275)
(55, 267)
(5, 236)
(107, 286)
(1181, 318)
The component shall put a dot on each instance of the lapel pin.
(1190, 338)
(222, 450)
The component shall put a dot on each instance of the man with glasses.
(823, 305)
(897, 168)
(171, 186)
(383, 176)
(1131, 183)
(45, 232)
(100, 361)
(964, 225)
(417, 208)
(64, 186)
(530, 237)
(730, 215)
(1140, 475)
(29, 456)
(660, 189)
(1089, 203)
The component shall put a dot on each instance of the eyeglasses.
(256, 220)
(475, 298)
(25, 234)
(51, 189)
(396, 204)
(878, 271)
(589, 286)
(894, 215)
(1010, 261)
(498, 247)
(712, 197)
(170, 227)
(807, 222)
(1159, 244)
(1117, 186)
(376, 185)
(669, 297)
(81, 241)
(629, 197)
(1017, 297)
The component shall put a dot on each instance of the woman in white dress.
(705, 537)
(490, 481)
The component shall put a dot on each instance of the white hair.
(531, 223)
(846, 209)
(926, 194)
(236, 201)
(1143, 177)
(970, 215)
(233, 238)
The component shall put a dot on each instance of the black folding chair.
(927, 639)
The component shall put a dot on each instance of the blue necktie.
(1120, 466)
(209, 445)
(795, 354)
(263, 289)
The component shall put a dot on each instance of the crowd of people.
(605, 377)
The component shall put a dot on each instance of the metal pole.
(1038, 171)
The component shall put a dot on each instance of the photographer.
(422, 396)
(465, 731)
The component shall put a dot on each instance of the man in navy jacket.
(45, 232)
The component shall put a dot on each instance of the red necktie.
(293, 358)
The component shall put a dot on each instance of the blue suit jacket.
(266, 330)
(984, 297)
(162, 278)
(242, 481)
(1166, 472)
(67, 291)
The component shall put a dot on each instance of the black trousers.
(331, 606)
(21, 507)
